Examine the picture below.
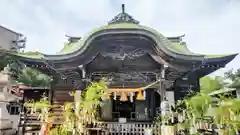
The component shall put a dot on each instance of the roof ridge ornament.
(123, 18)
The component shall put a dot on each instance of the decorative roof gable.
(123, 18)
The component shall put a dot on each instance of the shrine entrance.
(123, 109)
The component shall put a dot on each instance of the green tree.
(210, 84)
(26, 75)
(34, 78)
(13, 66)
(234, 78)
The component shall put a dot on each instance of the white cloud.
(210, 26)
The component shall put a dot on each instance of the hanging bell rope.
(133, 89)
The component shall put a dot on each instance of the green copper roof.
(75, 46)
(216, 56)
(30, 54)
(178, 48)
(175, 47)
(181, 48)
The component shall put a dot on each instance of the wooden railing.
(115, 128)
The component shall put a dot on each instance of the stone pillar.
(7, 121)
(77, 95)
(170, 97)
(51, 91)
(77, 100)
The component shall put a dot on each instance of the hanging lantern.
(123, 97)
(140, 96)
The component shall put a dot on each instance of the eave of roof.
(224, 59)
(29, 54)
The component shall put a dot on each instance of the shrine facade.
(142, 66)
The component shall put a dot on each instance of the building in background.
(11, 40)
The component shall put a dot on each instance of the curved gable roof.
(174, 47)
(124, 21)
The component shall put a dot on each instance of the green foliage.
(228, 113)
(209, 84)
(197, 105)
(33, 77)
(14, 67)
(40, 108)
(84, 111)
(234, 78)
(26, 75)
(91, 101)
(59, 130)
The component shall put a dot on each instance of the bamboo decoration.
(123, 97)
(140, 96)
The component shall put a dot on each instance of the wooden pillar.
(51, 90)
(50, 95)
(153, 109)
(162, 83)
(84, 75)
(198, 84)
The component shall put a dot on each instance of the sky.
(210, 26)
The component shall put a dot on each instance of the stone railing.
(139, 128)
